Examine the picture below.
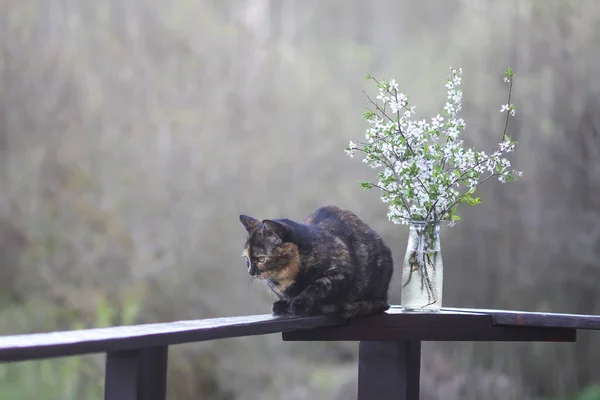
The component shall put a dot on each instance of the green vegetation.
(589, 393)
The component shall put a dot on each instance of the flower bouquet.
(425, 173)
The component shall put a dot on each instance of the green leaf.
(366, 185)
(368, 114)
(455, 218)
(470, 200)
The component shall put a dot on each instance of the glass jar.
(422, 270)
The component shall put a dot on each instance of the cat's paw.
(301, 305)
(281, 307)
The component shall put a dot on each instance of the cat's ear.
(248, 222)
(281, 230)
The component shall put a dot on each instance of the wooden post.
(389, 370)
(136, 374)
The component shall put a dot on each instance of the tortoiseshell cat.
(332, 263)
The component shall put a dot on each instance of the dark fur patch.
(332, 263)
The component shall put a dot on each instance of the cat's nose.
(252, 270)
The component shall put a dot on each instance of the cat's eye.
(261, 259)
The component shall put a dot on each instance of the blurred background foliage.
(133, 133)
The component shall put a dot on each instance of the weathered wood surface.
(457, 325)
(101, 340)
(537, 319)
(395, 325)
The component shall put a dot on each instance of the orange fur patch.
(286, 275)
(246, 253)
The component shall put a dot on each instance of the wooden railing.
(389, 350)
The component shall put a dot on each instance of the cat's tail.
(364, 308)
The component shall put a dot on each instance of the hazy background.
(134, 132)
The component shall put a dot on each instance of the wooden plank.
(409, 326)
(537, 319)
(442, 334)
(70, 343)
(121, 376)
(389, 370)
(152, 379)
(136, 374)
(397, 317)
(444, 326)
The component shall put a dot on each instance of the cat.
(331, 263)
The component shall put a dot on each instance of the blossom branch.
(422, 161)
(509, 108)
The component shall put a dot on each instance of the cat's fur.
(331, 263)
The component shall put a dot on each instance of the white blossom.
(351, 149)
(436, 121)
(425, 169)
(506, 146)
(452, 132)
